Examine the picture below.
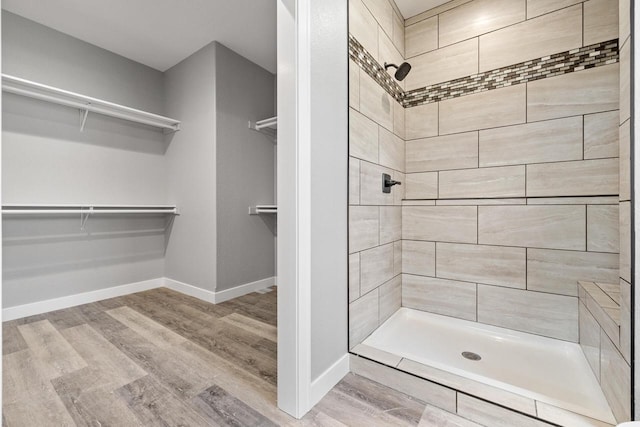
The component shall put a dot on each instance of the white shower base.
(544, 369)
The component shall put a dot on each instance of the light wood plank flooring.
(160, 358)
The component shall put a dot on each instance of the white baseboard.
(16, 312)
(247, 288)
(328, 379)
(192, 291)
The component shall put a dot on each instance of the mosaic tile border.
(570, 61)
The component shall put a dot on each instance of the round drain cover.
(471, 355)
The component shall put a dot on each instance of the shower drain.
(471, 355)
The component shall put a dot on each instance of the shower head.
(401, 71)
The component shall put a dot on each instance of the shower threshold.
(544, 377)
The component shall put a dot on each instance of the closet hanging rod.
(87, 209)
(55, 95)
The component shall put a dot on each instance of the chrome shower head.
(401, 71)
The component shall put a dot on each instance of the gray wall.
(46, 159)
(190, 93)
(245, 171)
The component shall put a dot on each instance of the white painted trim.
(247, 288)
(192, 291)
(328, 379)
(16, 312)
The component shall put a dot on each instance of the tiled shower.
(510, 136)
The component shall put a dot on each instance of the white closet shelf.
(86, 209)
(84, 103)
(263, 209)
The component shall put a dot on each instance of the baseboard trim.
(328, 379)
(39, 307)
(247, 288)
(192, 291)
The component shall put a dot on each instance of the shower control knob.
(387, 183)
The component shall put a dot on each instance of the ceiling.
(161, 33)
(411, 8)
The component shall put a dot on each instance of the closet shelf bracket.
(84, 118)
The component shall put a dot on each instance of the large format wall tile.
(545, 35)
(486, 414)
(382, 12)
(589, 91)
(363, 317)
(550, 227)
(446, 297)
(625, 82)
(462, 22)
(601, 135)
(602, 228)
(493, 265)
(399, 119)
(354, 181)
(421, 37)
(503, 181)
(590, 338)
(364, 224)
(615, 378)
(440, 223)
(558, 272)
(390, 224)
(375, 103)
(448, 63)
(354, 277)
(371, 185)
(625, 320)
(624, 17)
(421, 185)
(390, 298)
(625, 161)
(549, 141)
(625, 240)
(600, 21)
(363, 26)
(458, 151)
(398, 33)
(500, 107)
(555, 316)
(392, 150)
(354, 85)
(422, 121)
(419, 257)
(363, 137)
(389, 53)
(540, 7)
(580, 178)
(376, 267)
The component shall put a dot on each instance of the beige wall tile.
(398, 33)
(421, 37)
(428, 392)
(503, 181)
(382, 12)
(554, 316)
(354, 85)
(550, 227)
(376, 354)
(624, 14)
(547, 34)
(493, 265)
(480, 202)
(558, 272)
(500, 107)
(418, 203)
(354, 181)
(435, 11)
(548, 141)
(354, 276)
(363, 26)
(615, 376)
(583, 92)
(604, 200)
(397, 257)
(389, 53)
(625, 240)
(390, 295)
(463, 22)
(440, 223)
(625, 83)
(625, 320)
(421, 121)
(398, 191)
(398, 120)
(625, 161)
(363, 227)
(602, 229)
(580, 178)
(376, 267)
(375, 103)
(363, 137)
(487, 414)
(540, 7)
(441, 65)
(601, 135)
(363, 317)
(590, 339)
(458, 151)
(371, 185)
(391, 150)
(564, 417)
(600, 21)
(446, 297)
(419, 258)
(421, 185)
(391, 224)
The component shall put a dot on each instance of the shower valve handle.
(387, 183)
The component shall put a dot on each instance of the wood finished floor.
(160, 358)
